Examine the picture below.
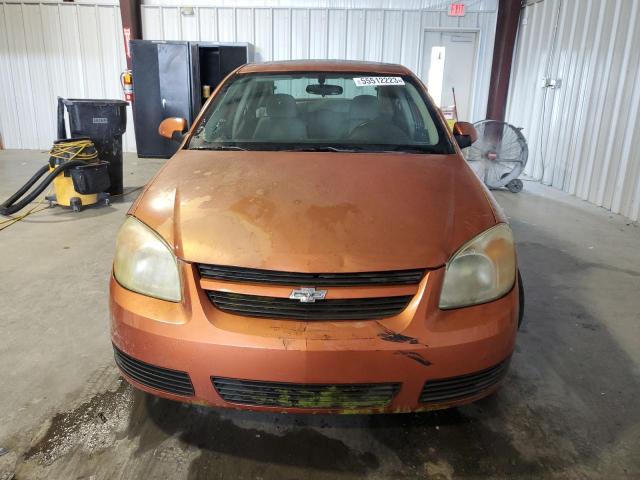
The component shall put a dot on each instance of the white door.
(449, 62)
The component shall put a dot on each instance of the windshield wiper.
(381, 148)
(372, 148)
(322, 148)
(220, 147)
(411, 149)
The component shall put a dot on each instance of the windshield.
(321, 112)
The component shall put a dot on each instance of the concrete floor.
(569, 408)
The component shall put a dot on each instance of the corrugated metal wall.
(383, 30)
(71, 50)
(583, 136)
(50, 49)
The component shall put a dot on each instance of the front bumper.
(421, 344)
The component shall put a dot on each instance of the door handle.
(164, 104)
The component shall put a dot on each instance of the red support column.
(131, 24)
(506, 32)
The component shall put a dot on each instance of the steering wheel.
(360, 127)
(383, 132)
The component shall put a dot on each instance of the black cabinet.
(168, 81)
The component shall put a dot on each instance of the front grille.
(339, 309)
(252, 275)
(298, 395)
(443, 390)
(171, 381)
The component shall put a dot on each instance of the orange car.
(317, 244)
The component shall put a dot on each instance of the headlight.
(144, 263)
(484, 269)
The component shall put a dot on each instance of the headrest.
(281, 105)
(364, 106)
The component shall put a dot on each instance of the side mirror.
(465, 134)
(173, 128)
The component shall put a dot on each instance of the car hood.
(316, 211)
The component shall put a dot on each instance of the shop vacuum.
(86, 168)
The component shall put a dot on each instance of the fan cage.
(500, 153)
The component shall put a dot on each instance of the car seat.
(326, 124)
(363, 108)
(281, 122)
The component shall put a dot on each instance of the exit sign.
(456, 10)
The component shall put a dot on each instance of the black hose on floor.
(9, 207)
(26, 186)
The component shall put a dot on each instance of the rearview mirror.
(173, 128)
(324, 89)
(465, 134)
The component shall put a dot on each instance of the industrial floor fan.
(499, 155)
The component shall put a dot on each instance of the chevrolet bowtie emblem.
(307, 295)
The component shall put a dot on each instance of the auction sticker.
(377, 81)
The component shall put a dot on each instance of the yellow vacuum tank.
(79, 178)
(70, 187)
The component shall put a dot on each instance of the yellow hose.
(73, 150)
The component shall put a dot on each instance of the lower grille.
(342, 309)
(159, 378)
(313, 395)
(435, 391)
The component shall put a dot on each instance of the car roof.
(325, 66)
